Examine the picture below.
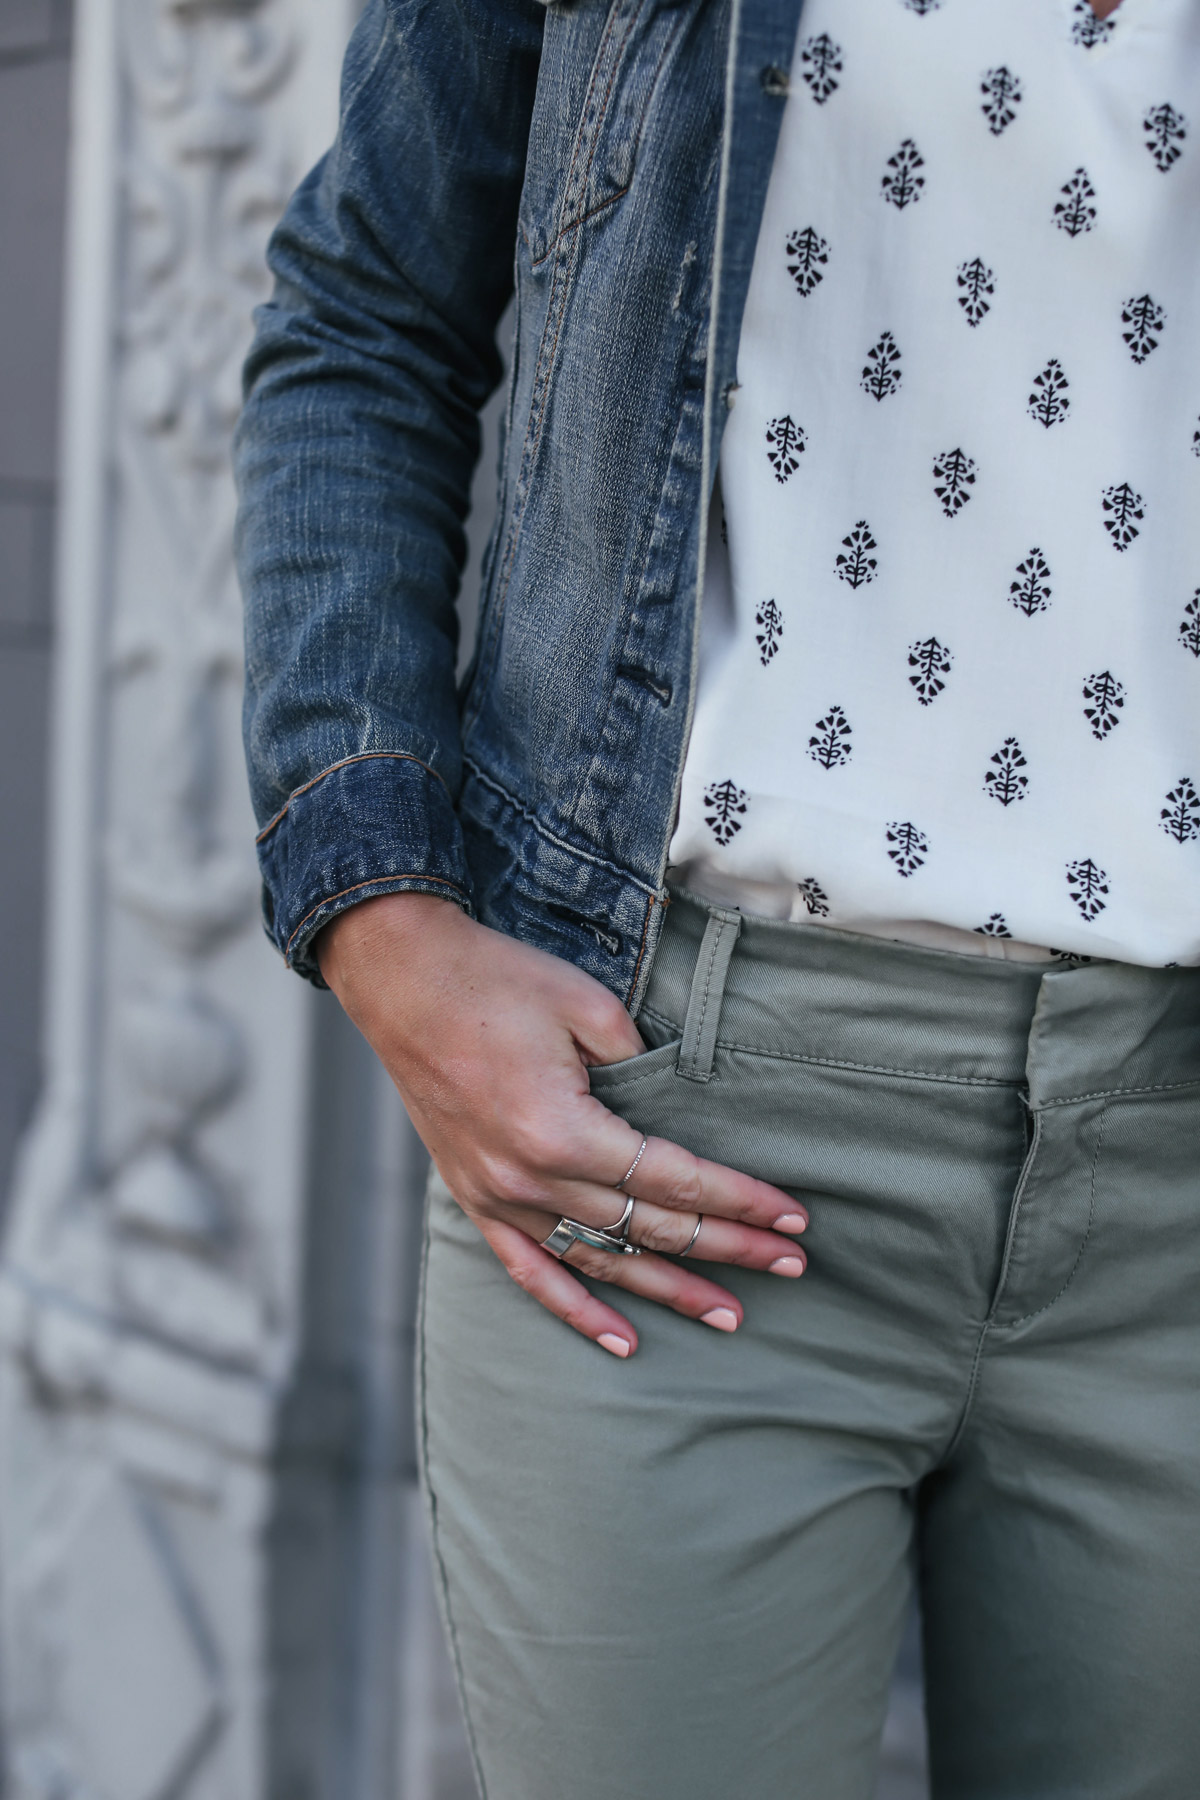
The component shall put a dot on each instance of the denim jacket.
(607, 160)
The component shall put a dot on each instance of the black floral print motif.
(906, 846)
(855, 564)
(1086, 28)
(1189, 625)
(820, 65)
(902, 180)
(807, 255)
(1001, 91)
(881, 372)
(1004, 780)
(830, 743)
(1073, 957)
(1180, 817)
(725, 803)
(769, 620)
(976, 281)
(1121, 505)
(1145, 319)
(1105, 696)
(1069, 883)
(1165, 131)
(953, 479)
(1030, 592)
(931, 663)
(922, 6)
(785, 446)
(1049, 402)
(1074, 211)
(1087, 884)
(814, 897)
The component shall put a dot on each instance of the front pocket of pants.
(609, 1078)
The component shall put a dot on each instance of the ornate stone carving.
(181, 1372)
(206, 174)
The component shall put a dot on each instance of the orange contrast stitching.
(535, 262)
(654, 901)
(539, 393)
(372, 881)
(363, 756)
(668, 46)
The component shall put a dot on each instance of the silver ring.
(633, 1165)
(686, 1251)
(621, 1228)
(574, 1231)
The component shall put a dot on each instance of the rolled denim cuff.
(380, 823)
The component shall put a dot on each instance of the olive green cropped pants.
(682, 1577)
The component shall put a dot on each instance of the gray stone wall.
(34, 77)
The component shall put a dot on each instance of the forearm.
(355, 454)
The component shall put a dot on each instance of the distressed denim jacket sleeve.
(354, 456)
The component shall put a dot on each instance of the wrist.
(358, 935)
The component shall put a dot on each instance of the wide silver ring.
(633, 1165)
(574, 1231)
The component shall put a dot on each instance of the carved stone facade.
(211, 1568)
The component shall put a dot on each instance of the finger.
(582, 1172)
(668, 1283)
(649, 1276)
(546, 1279)
(603, 1207)
(717, 1240)
(673, 1177)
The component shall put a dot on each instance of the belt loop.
(704, 1002)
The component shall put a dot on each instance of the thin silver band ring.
(687, 1248)
(633, 1165)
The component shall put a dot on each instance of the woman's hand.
(489, 1042)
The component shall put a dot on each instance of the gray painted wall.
(34, 72)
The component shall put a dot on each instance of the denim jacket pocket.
(590, 112)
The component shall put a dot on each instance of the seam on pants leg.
(1039, 1310)
(1025, 1182)
(1121, 1093)
(443, 1585)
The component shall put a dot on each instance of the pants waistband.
(724, 979)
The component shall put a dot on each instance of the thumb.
(606, 1033)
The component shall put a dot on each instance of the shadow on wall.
(34, 77)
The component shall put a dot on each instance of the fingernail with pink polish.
(791, 1222)
(787, 1265)
(617, 1345)
(720, 1318)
